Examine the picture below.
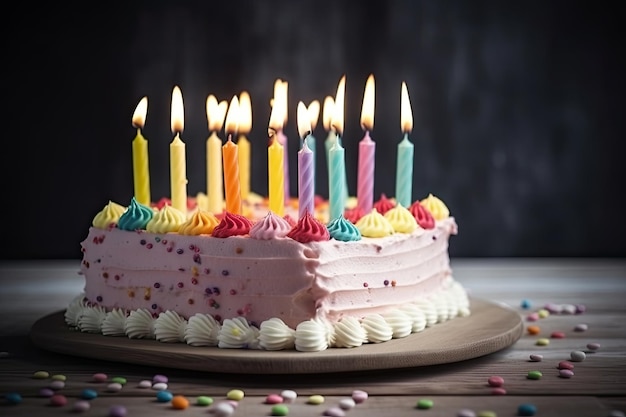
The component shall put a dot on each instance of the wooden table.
(31, 290)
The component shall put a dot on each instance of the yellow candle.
(245, 125)
(276, 177)
(231, 161)
(215, 191)
(141, 172)
(178, 169)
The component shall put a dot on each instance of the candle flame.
(304, 120)
(232, 117)
(280, 94)
(367, 111)
(139, 116)
(245, 113)
(215, 113)
(337, 119)
(278, 115)
(178, 111)
(406, 115)
(314, 113)
(329, 104)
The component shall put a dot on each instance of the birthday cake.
(263, 281)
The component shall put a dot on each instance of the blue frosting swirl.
(343, 230)
(136, 216)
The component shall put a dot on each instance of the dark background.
(518, 108)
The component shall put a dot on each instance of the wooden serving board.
(491, 327)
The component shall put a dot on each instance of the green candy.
(534, 375)
(425, 404)
(204, 400)
(119, 380)
(280, 410)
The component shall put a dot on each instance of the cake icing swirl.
(308, 230)
(166, 220)
(201, 222)
(343, 230)
(401, 219)
(422, 215)
(436, 207)
(374, 224)
(108, 216)
(136, 216)
(270, 227)
(384, 204)
(232, 225)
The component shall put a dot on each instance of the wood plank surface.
(31, 290)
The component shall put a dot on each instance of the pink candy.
(495, 381)
(359, 396)
(273, 399)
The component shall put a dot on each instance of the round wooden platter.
(489, 328)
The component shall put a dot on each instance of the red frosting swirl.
(290, 220)
(308, 230)
(384, 204)
(424, 218)
(353, 215)
(232, 225)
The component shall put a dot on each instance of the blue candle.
(336, 180)
(404, 172)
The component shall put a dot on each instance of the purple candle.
(306, 169)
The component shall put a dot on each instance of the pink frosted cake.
(262, 281)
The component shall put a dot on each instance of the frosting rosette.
(353, 215)
(401, 219)
(422, 215)
(168, 219)
(232, 225)
(374, 224)
(201, 222)
(109, 215)
(270, 227)
(308, 229)
(384, 204)
(436, 207)
(343, 230)
(136, 216)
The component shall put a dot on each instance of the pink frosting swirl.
(384, 204)
(232, 225)
(308, 230)
(424, 218)
(270, 227)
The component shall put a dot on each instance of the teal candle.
(336, 180)
(328, 143)
(404, 172)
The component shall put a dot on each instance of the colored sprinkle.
(581, 327)
(203, 400)
(542, 341)
(498, 391)
(534, 375)
(235, 394)
(273, 399)
(536, 358)
(495, 381)
(533, 329)
(593, 346)
(41, 375)
(577, 356)
(81, 406)
(225, 272)
(117, 411)
(119, 380)
(565, 365)
(13, 398)
(280, 410)
(526, 410)
(179, 251)
(365, 285)
(89, 394)
(164, 396)
(557, 335)
(157, 285)
(566, 373)
(99, 377)
(525, 304)
(386, 282)
(315, 399)
(179, 402)
(425, 404)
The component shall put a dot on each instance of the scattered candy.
(318, 399)
(347, 404)
(525, 304)
(58, 400)
(577, 356)
(58, 377)
(542, 341)
(593, 346)
(179, 402)
(569, 309)
(534, 375)
(99, 377)
(274, 399)
(359, 396)
(289, 396)
(566, 373)
(204, 400)
(532, 317)
(581, 327)
(486, 413)
(495, 381)
(164, 396)
(119, 380)
(56, 385)
(222, 409)
(526, 410)
(334, 412)
(557, 335)
(89, 394)
(81, 406)
(543, 313)
(117, 411)
(13, 398)
(280, 410)
(160, 378)
(425, 404)
(146, 383)
(498, 391)
(553, 308)
(41, 375)
(114, 387)
(536, 358)
(533, 329)
(159, 386)
(580, 308)
(46, 392)
(465, 413)
(235, 394)
(565, 365)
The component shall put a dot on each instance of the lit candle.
(231, 160)
(367, 151)
(245, 125)
(336, 159)
(327, 115)
(404, 166)
(141, 172)
(275, 164)
(215, 191)
(280, 99)
(178, 169)
(306, 167)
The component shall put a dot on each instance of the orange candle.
(230, 157)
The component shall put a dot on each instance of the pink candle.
(367, 151)
(306, 167)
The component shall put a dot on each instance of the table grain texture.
(30, 290)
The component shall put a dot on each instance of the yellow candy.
(542, 341)
(543, 313)
(41, 375)
(235, 394)
(316, 400)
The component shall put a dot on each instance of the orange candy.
(533, 329)
(179, 402)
